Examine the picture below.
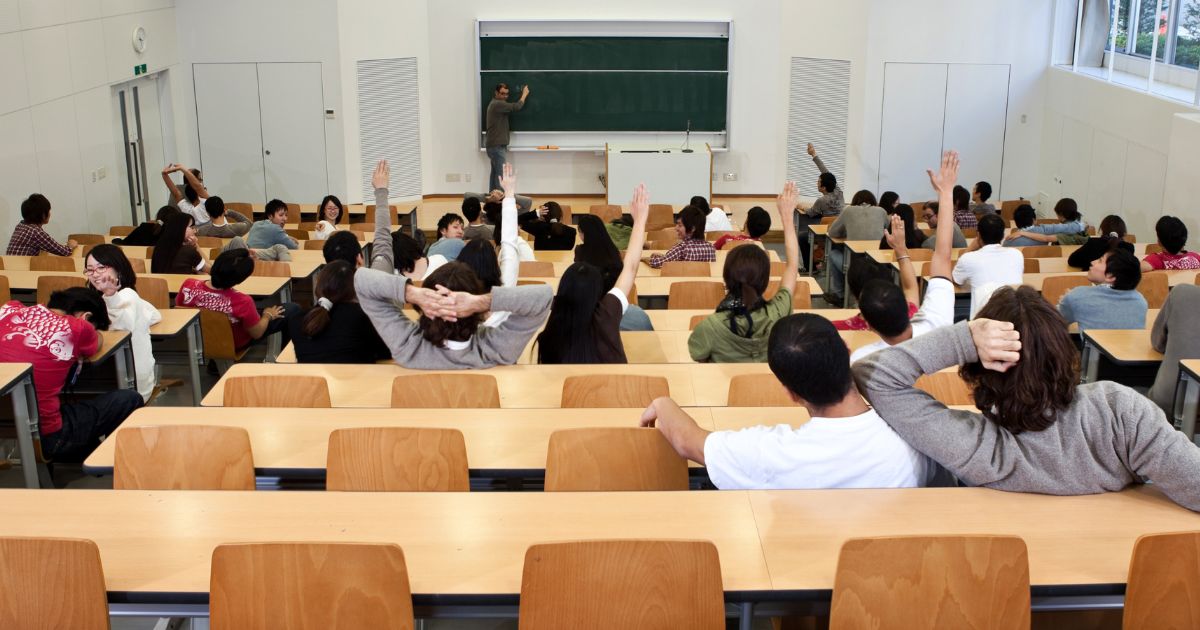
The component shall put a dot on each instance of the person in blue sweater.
(1070, 223)
(269, 232)
(1114, 301)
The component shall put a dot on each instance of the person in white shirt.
(988, 265)
(108, 271)
(844, 445)
(191, 199)
(884, 306)
(715, 219)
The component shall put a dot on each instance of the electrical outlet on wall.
(452, 177)
(731, 177)
(467, 177)
(102, 172)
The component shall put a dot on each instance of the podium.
(671, 176)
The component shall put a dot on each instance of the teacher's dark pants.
(498, 156)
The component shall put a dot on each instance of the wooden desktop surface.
(110, 341)
(568, 256)
(1191, 366)
(1125, 346)
(10, 373)
(174, 321)
(661, 286)
(256, 286)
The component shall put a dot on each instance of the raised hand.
(508, 181)
(997, 343)
(947, 175)
(785, 203)
(895, 236)
(382, 175)
(812, 151)
(639, 207)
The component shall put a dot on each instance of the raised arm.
(176, 194)
(640, 209)
(381, 247)
(812, 151)
(943, 182)
(791, 245)
(908, 276)
(194, 182)
(509, 255)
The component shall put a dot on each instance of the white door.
(140, 121)
(976, 112)
(293, 131)
(228, 118)
(914, 100)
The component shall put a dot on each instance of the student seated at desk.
(1176, 334)
(1112, 236)
(450, 237)
(758, 223)
(269, 232)
(1039, 430)
(689, 227)
(1024, 218)
(1114, 302)
(585, 320)
(1071, 224)
(829, 204)
(930, 215)
(147, 233)
(109, 272)
(914, 238)
(176, 250)
(597, 248)
(56, 338)
(738, 331)
(194, 195)
(218, 294)
(844, 445)
(862, 220)
(546, 226)
(889, 200)
(989, 264)
(29, 238)
(979, 199)
(1172, 236)
(472, 211)
(335, 329)
(218, 225)
(715, 219)
(962, 209)
(343, 246)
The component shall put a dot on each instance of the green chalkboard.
(610, 83)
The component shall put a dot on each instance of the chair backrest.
(154, 291)
(52, 583)
(663, 235)
(695, 294)
(1055, 287)
(397, 459)
(947, 387)
(607, 213)
(758, 390)
(294, 213)
(308, 226)
(1154, 288)
(445, 391)
(121, 230)
(183, 457)
(5, 294)
(49, 284)
(64, 264)
(920, 254)
(277, 390)
(801, 297)
(622, 584)
(1009, 207)
(310, 245)
(660, 245)
(695, 321)
(828, 220)
(263, 586)
(137, 264)
(931, 582)
(1032, 265)
(662, 215)
(209, 241)
(677, 268)
(926, 266)
(370, 215)
(217, 332)
(1154, 248)
(613, 390)
(244, 209)
(1163, 588)
(272, 268)
(1042, 251)
(297, 233)
(611, 459)
(970, 233)
(86, 239)
(536, 269)
(361, 227)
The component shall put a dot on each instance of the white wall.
(58, 59)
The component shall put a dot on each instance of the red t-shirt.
(725, 238)
(858, 323)
(52, 343)
(1182, 260)
(237, 306)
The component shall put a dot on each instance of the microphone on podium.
(688, 138)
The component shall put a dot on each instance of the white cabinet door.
(976, 112)
(293, 131)
(914, 99)
(227, 114)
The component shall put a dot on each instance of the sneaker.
(834, 299)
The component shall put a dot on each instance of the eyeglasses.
(91, 271)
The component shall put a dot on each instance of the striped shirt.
(693, 249)
(966, 219)
(29, 239)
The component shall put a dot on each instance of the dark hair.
(214, 206)
(568, 335)
(884, 307)
(480, 256)
(493, 210)
(170, 241)
(746, 273)
(446, 220)
(1029, 395)
(335, 283)
(189, 193)
(342, 245)
(701, 204)
(35, 209)
(455, 276)
(1172, 234)
(888, 200)
(1024, 216)
(598, 249)
(1067, 209)
(828, 181)
(962, 198)
(1125, 268)
(112, 256)
(471, 208)
(1112, 230)
(554, 212)
(991, 229)
(913, 237)
(864, 272)
(984, 189)
(337, 202)
(81, 300)
(166, 212)
(231, 268)
(406, 251)
(863, 198)
(693, 222)
(499, 86)
(808, 356)
(758, 222)
(274, 206)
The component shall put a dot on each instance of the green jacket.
(619, 234)
(712, 341)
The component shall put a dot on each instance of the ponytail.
(316, 320)
(334, 285)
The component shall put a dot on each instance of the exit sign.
(139, 70)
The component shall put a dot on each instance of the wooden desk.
(1055, 266)
(16, 380)
(1187, 396)
(184, 320)
(661, 286)
(681, 319)
(1123, 347)
(254, 286)
(568, 256)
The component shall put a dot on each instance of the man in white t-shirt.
(989, 265)
(845, 444)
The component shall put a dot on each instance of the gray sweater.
(830, 203)
(860, 223)
(959, 239)
(236, 224)
(1176, 334)
(1110, 436)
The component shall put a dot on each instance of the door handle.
(137, 175)
(268, 152)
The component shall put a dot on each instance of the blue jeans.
(498, 156)
(837, 279)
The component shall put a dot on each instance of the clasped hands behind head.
(442, 303)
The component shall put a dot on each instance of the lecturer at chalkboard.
(497, 130)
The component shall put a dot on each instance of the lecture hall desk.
(1128, 348)
(1187, 395)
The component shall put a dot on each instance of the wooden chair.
(717, 234)
(663, 235)
(801, 297)
(183, 457)
(272, 268)
(299, 235)
(1, 263)
(1163, 588)
(611, 459)
(137, 264)
(244, 209)
(85, 251)
(154, 291)
(925, 266)
(828, 220)
(662, 216)
(263, 586)
(49, 284)
(311, 245)
(758, 390)
(612, 390)
(1131, 238)
(698, 294)
(5, 294)
(1154, 287)
(307, 226)
(52, 583)
(536, 269)
(970, 233)
(678, 268)
(522, 283)
(362, 227)
(65, 264)
(397, 459)
(1042, 251)
(216, 332)
(87, 239)
(947, 387)
(1055, 287)
(209, 241)
(294, 213)
(393, 215)
(445, 391)
(277, 390)
(931, 582)
(1009, 207)
(622, 584)
(659, 245)
(1154, 248)
(607, 213)
(1032, 265)
(121, 230)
